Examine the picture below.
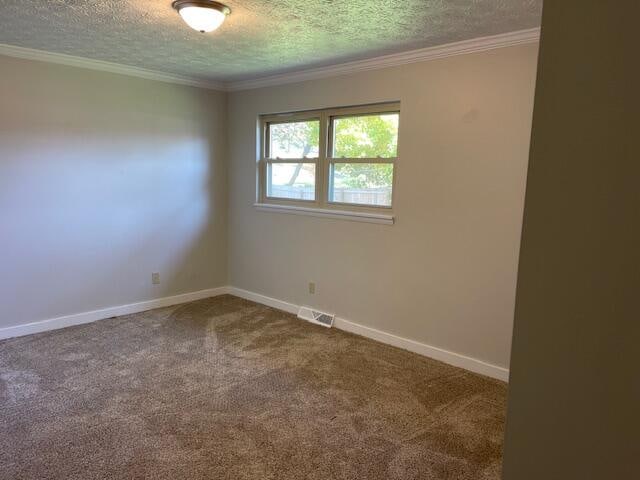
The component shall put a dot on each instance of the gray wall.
(105, 179)
(575, 385)
(445, 274)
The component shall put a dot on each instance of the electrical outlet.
(155, 278)
(312, 287)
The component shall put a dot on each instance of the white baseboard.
(264, 300)
(452, 358)
(94, 315)
(446, 356)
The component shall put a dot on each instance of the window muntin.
(336, 158)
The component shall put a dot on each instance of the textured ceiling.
(260, 37)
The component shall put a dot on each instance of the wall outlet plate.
(155, 278)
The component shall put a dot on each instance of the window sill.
(319, 212)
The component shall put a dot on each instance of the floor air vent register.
(314, 316)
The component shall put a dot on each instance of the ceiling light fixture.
(202, 15)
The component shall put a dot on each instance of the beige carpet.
(224, 388)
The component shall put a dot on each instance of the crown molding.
(81, 62)
(412, 56)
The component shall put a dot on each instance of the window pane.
(361, 183)
(295, 139)
(367, 136)
(291, 180)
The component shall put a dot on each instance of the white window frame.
(324, 163)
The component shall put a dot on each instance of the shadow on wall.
(92, 204)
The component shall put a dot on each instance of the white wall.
(105, 179)
(445, 274)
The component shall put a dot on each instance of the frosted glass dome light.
(202, 15)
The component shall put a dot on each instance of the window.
(292, 151)
(363, 151)
(338, 159)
